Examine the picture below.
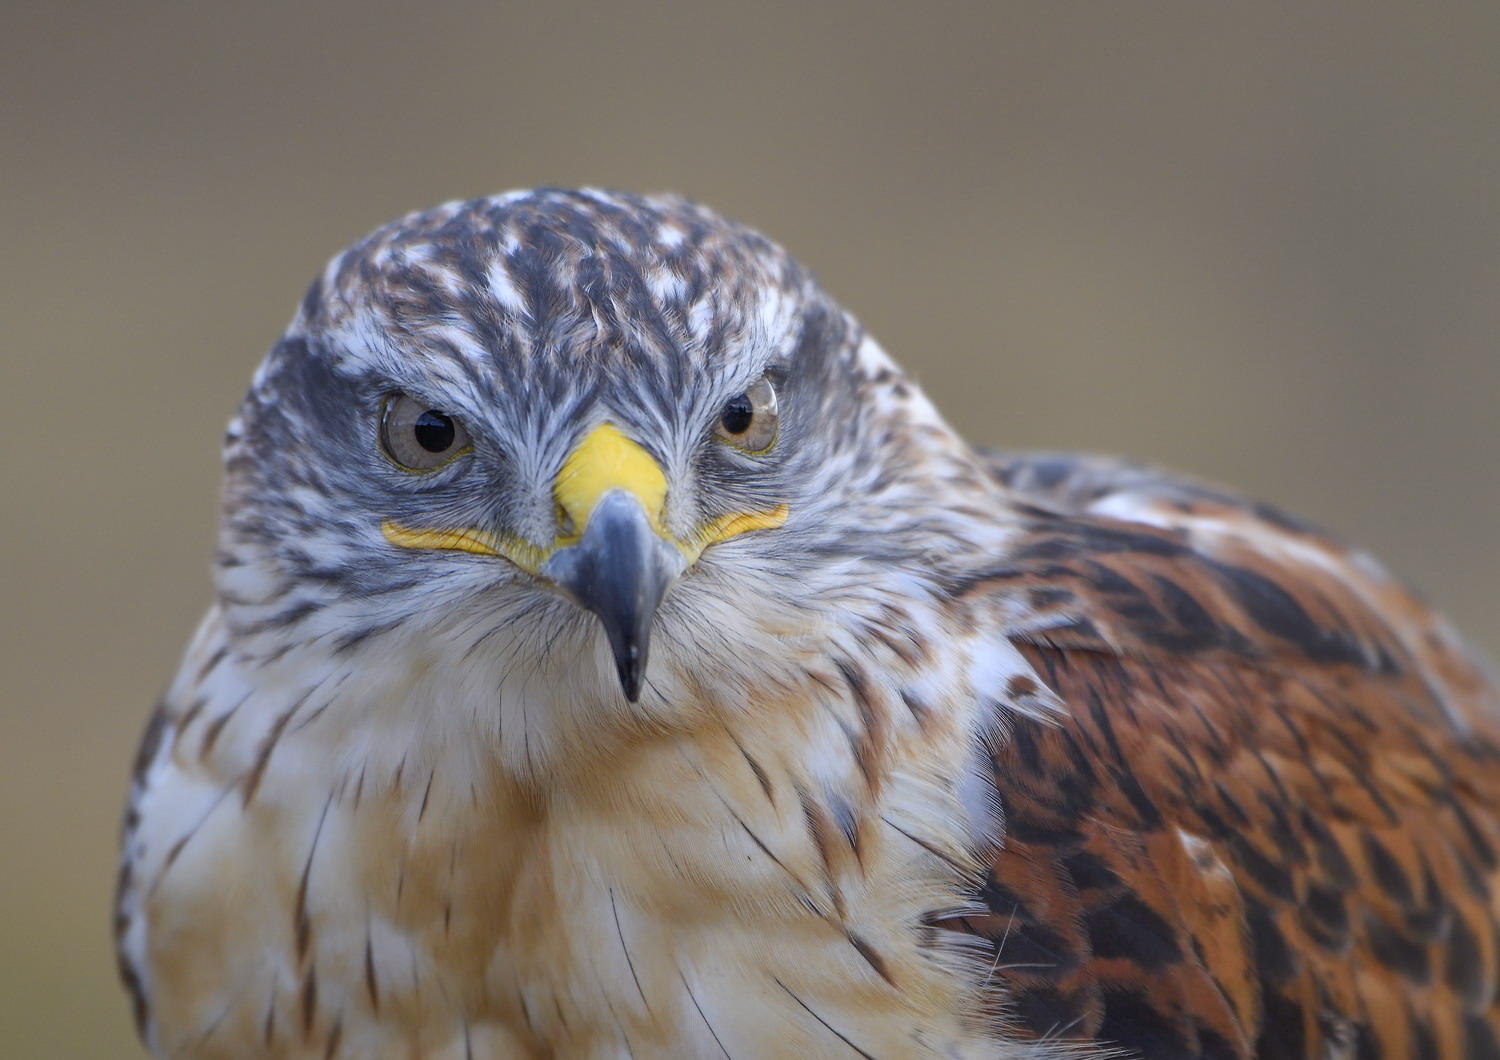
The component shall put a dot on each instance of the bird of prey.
(614, 654)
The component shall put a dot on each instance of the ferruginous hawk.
(614, 654)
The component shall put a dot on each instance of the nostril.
(565, 525)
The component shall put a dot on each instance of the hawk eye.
(748, 421)
(418, 437)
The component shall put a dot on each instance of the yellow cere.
(605, 460)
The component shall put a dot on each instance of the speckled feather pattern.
(994, 755)
(1267, 826)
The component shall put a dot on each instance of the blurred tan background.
(1263, 247)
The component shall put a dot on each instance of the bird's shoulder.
(1264, 823)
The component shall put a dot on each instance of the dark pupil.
(738, 412)
(433, 431)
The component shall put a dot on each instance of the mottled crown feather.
(562, 296)
(535, 271)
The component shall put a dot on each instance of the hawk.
(615, 654)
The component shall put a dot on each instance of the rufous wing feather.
(1266, 824)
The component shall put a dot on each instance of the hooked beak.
(619, 569)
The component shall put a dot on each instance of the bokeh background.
(1259, 242)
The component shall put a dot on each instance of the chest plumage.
(761, 880)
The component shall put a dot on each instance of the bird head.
(564, 456)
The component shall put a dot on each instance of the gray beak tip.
(619, 569)
(630, 664)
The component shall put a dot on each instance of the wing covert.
(1266, 825)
